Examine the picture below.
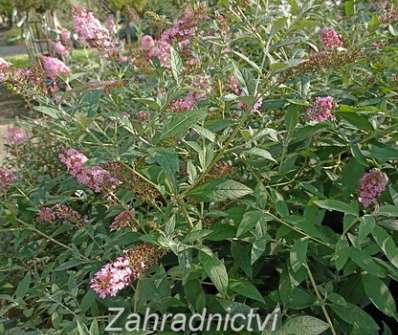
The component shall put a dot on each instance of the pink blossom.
(110, 24)
(147, 42)
(233, 85)
(59, 49)
(97, 179)
(7, 178)
(15, 136)
(330, 38)
(257, 105)
(193, 62)
(46, 215)
(4, 66)
(321, 110)
(54, 68)
(90, 29)
(65, 213)
(73, 160)
(112, 278)
(161, 51)
(65, 36)
(371, 185)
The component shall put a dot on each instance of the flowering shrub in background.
(244, 157)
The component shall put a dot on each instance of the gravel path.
(10, 50)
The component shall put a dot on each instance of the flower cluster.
(95, 177)
(371, 185)
(73, 160)
(112, 278)
(106, 85)
(321, 110)
(4, 66)
(59, 49)
(200, 85)
(181, 31)
(115, 276)
(90, 29)
(123, 220)
(330, 38)
(16, 136)
(60, 212)
(7, 178)
(54, 68)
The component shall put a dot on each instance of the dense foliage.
(244, 157)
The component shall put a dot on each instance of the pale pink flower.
(7, 178)
(161, 51)
(73, 160)
(54, 68)
(90, 29)
(371, 185)
(59, 49)
(97, 179)
(330, 38)
(110, 24)
(15, 136)
(4, 66)
(65, 37)
(112, 278)
(233, 85)
(321, 110)
(147, 42)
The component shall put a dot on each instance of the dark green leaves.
(220, 190)
(216, 271)
(379, 295)
(246, 289)
(179, 123)
(336, 205)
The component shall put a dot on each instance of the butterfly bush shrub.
(244, 157)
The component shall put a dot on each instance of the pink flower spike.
(73, 160)
(330, 38)
(147, 42)
(7, 178)
(321, 110)
(371, 185)
(112, 278)
(54, 68)
(15, 136)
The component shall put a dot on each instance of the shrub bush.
(245, 158)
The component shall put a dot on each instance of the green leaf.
(388, 210)
(250, 220)
(176, 65)
(168, 160)
(52, 112)
(387, 244)
(246, 289)
(261, 153)
(216, 271)
(291, 118)
(384, 153)
(298, 254)
(23, 286)
(379, 295)
(303, 325)
(336, 205)
(366, 262)
(358, 121)
(220, 190)
(180, 123)
(352, 314)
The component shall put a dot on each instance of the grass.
(22, 61)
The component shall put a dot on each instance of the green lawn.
(21, 61)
